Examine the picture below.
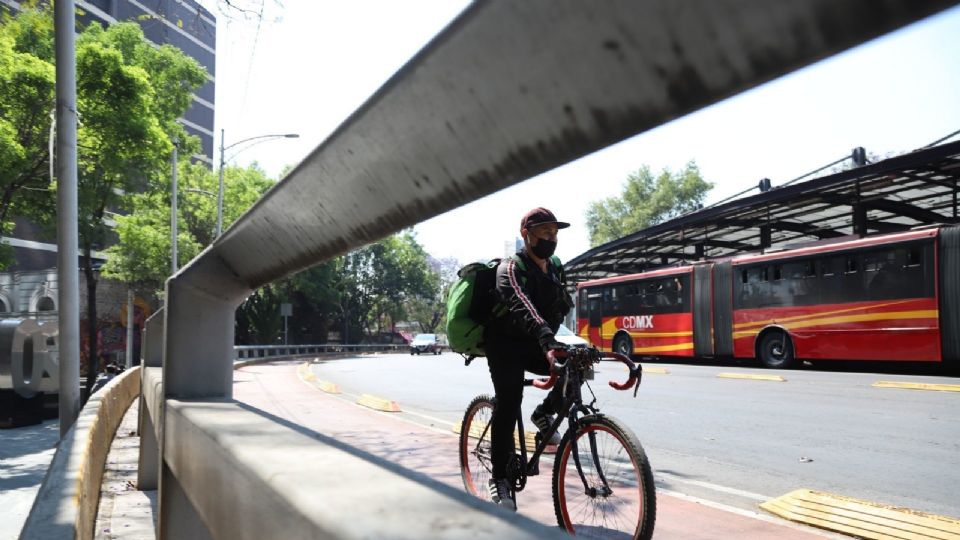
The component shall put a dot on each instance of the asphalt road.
(730, 441)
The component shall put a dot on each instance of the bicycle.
(609, 492)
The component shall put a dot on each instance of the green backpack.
(472, 304)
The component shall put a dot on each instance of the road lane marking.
(749, 514)
(714, 487)
(656, 370)
(861, 518)
(917, 386)
(751, 376)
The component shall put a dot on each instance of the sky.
(311, 63)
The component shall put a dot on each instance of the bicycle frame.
(573, 405)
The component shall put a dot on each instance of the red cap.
(539, 216)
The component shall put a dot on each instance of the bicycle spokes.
(599, 483)
(476, 466)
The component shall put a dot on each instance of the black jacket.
(536, 302)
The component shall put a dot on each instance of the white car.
(567, 337)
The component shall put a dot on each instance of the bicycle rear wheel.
(624, 507)
(476, 467)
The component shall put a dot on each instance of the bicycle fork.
(592, 492)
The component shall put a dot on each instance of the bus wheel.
(623, 344)
(776, 351)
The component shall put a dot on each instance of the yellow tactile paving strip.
(862, 518)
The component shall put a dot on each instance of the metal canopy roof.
(915, 189)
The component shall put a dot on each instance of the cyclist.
(523, 339)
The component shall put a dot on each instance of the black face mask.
(544, 248)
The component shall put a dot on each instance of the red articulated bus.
(892, 297)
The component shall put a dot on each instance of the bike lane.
(432, 451)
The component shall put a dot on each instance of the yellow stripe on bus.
(660, 334)
(664, 348)
(739, 326)
(863, 317)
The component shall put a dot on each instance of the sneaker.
(543, 421)
(500, 494)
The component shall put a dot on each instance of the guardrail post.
(151, 355)
(197, 363)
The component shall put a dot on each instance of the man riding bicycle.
(523, 339)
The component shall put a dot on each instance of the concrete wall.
(66, 505)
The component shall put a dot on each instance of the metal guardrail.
(245, 352)
(507, 91)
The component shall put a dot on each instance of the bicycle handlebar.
(635, 373)
(633, 380)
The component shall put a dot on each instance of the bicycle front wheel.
(476, 466)
(619, 498)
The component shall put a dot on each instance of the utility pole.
(173, 209)
(220, 191)
(129, 351)
(67, 268)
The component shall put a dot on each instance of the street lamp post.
(222, 150)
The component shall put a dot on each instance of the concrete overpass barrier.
(66, 504)
(250, 475)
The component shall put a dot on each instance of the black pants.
(507, 359)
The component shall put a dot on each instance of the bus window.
(852, 265)
(913, 257)
(777, 272)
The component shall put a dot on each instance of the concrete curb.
(67, 502)
(303, 371)
(863, 519)
(378, 403)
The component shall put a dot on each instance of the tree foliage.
(129, 96)
(646, 200)
(142, 254)
(360, 295)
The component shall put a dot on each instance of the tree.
(142, 253)
(129, 95)
(646, 200)
(431, 312)
(26, 100)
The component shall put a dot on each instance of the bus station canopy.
(912, 190)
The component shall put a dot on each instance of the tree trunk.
(93, 357)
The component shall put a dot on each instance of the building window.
(46, 304)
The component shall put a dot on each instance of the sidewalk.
(25, 455)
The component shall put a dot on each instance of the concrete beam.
(250, 475)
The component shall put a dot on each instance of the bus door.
(723, 308)
(702, 310)
(595, 316)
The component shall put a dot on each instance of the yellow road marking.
(917, 386)
(378, 403)
(751, 376)
(864, 519)
(657, 370)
